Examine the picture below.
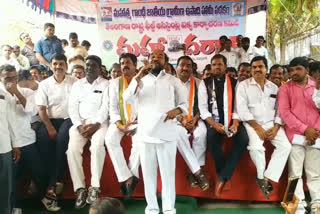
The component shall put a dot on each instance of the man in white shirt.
(161, 98)
(6, 58)
(22, 60)
(9, 150)
(21, 101)
(217, 109)
(231, 55)
(314, 71)
(75, 49)
(245, 51)
(53, 134)
(259, 50)
(87, 97)
(123, 119)
(257, 108)
(191, 124)
(244, 71)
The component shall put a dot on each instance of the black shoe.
(82, 194)
(270, 188)
(128, 189)
(263, 185)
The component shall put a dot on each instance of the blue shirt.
(48, 47)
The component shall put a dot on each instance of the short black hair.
(275, 66)
(219, 56)
(16, 47)
(35, 67)
(299, 61)
(245, 64)
(228, 40)
(6, 45)
(24, 75)
(115, 65)
(207, 67)
(95, 58)
(20, 36)
(223, 37)
(7, 68)
(231, 69)
(64, 41)
(245, 39)
(128, 55)
(184, 57)
(59, 57)
(260, 37)
(258, 58)
(314, 67)
(73, 35)
(85, 43)
(166, 58)
(47, 25)
(77, 66)
(108, 205)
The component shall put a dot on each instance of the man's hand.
(291, 207)
(125, 128)
(260, 132)
(143, 71)
(271, 133)
(235, 126)
(311, 135)
(173, 114)
(89, 129)
(192, 124)
(16, 154)
(12, 88)
(52, 132)
(218, 127)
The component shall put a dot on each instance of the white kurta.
(232, 58)
(113, 137)
(253, 103)
(316, 98)
(85, 103)
(156, 96)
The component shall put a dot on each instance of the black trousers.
(6, 175)
(53, 152)
(30, 161)
(225, 165)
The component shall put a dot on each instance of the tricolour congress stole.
(123, 85)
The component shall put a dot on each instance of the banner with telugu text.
(139, 28)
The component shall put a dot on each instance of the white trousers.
(113, 143)
(74, 156)
(195, 156)
(279, 156)
(164, 156)
(309, 159)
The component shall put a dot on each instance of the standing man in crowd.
(315, 74)
(115, 71)
(6, 58)
(231, 55)
(22, 60)
(75, 49)
(245, 52)
(191, 124)
(88, 96)
(123, 117)
(259, 50)
(257, 108)
(161, 98)
(53, 134)
(276, 75)
(216, 105)
(21, 100)
(244, 71)
(9, 148)
(28, 49)
(302, 125)
(48, 45)
(78, 72)
(222, 41)
(86, 44)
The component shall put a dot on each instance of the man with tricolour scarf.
(216, 104)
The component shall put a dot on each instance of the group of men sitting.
(160, 112)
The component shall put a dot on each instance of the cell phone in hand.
(291, 187)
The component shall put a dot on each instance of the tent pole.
(54, 12)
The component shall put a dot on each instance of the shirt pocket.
(256, 110)
(271, 103)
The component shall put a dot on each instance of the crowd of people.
(55, 98)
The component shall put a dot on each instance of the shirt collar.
(267, 82)
(96, 81)
(54, 81)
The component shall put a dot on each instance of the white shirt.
(115, 106)
(245, 56)
(86, 100)
(8, 130)
(55, 96)
(255, 104)
(22, 60)
(71, 52)
(316, 98)
(12, 61)
(23, 116)
(156, 96)
(262, 51)
(232, 58)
